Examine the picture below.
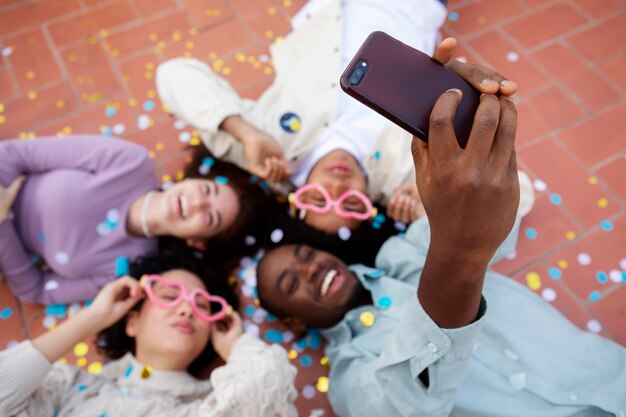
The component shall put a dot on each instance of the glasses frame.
(294, 198)
(186, 295)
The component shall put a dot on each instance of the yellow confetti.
(81, 349)
(533, 280)
(570, 235)
(148, 75)
(72, 58)
(31, 40)
(159, 146)
(166, 178)
(324, 361)
(149, 66)
(22, 135)
(146, 372)
(126, 78)
(81, 362)
(292, 354)
(80, 79)
(268, 70)
(251, 59)
(562, 264)
(68, 131)
(279, 39)
(62, 360)
(187, 54)
(30, 75)
(115, 53)
(271, 11)
(60, 103)
(89, 80)
(212, 55)
(322, 384)
(189, 45)
(151, 93)
(160, 46)
(232, 281)
(592, 180)
(2, 119)
(240, 57)
(132, 102)
(269, 34)
(2, 108)
(482, 20)
(180, 175)
(94, 368)
(226, 71)
(176, 36)
(194, 142)
(603, 202)
(367, 319)
(193, 31)
(151, 154)
(164, 108)
(92, 40)
(31, 95)
(153, 37)
(104, 33)
(287, 3)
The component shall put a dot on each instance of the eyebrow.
(217, 190)
(279, 282)
(296, 251)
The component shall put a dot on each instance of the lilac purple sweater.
(71, 211)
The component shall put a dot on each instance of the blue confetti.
(128, 371)
(602, 277)
(6, 313)
(221, 179)
(111, 224)
(606, 225)
(107, 131)
(274, 336)
(301, 344)
(377, 155)
(58, 310)
(555, 273)
(594, 296)
(88, 303)
(380, 218)
(110, 111)
(531, 233)
(249, 310)
(376, 226)
(315, 339)
(102, 415)
(148, 105)
(384, 301)
(453, 17)
(35, 259)
(81, 388)
(42, 237)
(264, 185)
(208, 161)
(271, 318)
(306, 361)
(556, 199)
(122, 266)
(376, 273)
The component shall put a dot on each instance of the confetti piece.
(62, 258)
(308, 392)
(533, 280)
(306, 361)
(540, 185)
(603, 203)
(570, 235)
(322, 384)
(6, 313)
(453, 17)
(554, 273)
(31, 95)
(49, 322)
(250, 240)
(367, 319)
(148, 105)
(616, 276)
(128, 371)
(344, 233)
(81, 362)
(602, 277)
(143, 122)
(269, 34)
(2, 119)
(51, 285)
(274, 336)
(94, 368)
(594, 326)
(146, 372)
(277, 235)
(562, 264)
(584, 258)
(81, 349)
(292, 354)
(606, 225)
(30, 75)
(548, 294)
(2, 107)
(518, 381)
(531, 233)
(594, 296)
(512, 57)
(592, 180)
(384, 301)
(119, 128)
(7, 51)
(184, 137)
(376, 273)
(556, 199)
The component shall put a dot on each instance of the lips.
(184, 326)
(329, 281)
(340, 169)
(183, 206)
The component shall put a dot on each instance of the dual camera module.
(360, 69)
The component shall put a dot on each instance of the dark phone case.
(403, 85)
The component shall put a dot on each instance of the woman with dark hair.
(158, 331)
(82, 202)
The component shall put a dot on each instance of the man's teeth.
(328, 279)
(183, 205)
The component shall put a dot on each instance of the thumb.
(15, 186)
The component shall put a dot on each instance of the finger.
(484, 127)
(441, 137)
(445, 50)
(504, 142)
(484, 79)
(14, 188)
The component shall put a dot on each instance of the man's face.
(304, 283)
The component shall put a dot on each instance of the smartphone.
(403, 84)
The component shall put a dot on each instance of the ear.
(199, 244)
(131, 324)
(297, 326)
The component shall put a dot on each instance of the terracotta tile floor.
(84, 66)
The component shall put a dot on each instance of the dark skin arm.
(471, 197)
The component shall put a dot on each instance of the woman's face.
(198, 208)
(176, 333)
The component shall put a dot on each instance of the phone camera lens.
(356, 76)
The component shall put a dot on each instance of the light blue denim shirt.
(520, 358)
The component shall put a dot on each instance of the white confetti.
(540, 185)
(277, 235)
(400, 226)
(247, 291)
(250, 240)
(344, 233)
(264, 58)
(584, 258)
(179, 125)
(51, 285)
(250, 327)
(594, 326)
(184, 137)
(113, 215)
(143, 122)
(247, 262)
(73, 309)
(119, 128)
(103, 229)
(7, 51)
(615, 275)
(622, 264)
(204, 170)
(512, 57)
(288, 336)
(511, 355)
(62, 258)
(548, 294)
(511, 256)
(308, 391)
(49, 321)
(259, 316)
(249, 277)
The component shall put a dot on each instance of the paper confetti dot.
(602, 277)
(250, 240)
(554, 273)
(184, 137)
(81, 362)
(143, 122)
(592, 180)
(110, 111)
(322, 384)
(562, 264)
(6, 313)
(49, 321)
(400, 226)
(7, 51)
(103, 229)
(148, 105)
(531, 233)
(57, 310)
(622, 264)
(533, 280)
(603, 203)
(179, 125)
(146, 372)
(2, 118)
(453, 17)
(556, 199)
(367, 319)
(606, 225)
(119, 128)
(277, 235)
(94, 368)
(594, 296)
(548, 294)
(570, 235)
(31, 95)
(113, 215)
(616, 276)
(2, 107)
(511, 255)
(292, 354)
(221, 179)
(81, 349)
(518, 381)
(51, 285)
(384, 301)
(274, 336)
(376, 273)
(584, 258)
(344, 233)
(250, 327)
(62, 258)
(594, 326)
(512, 57)
(128, 371)
(306, 361)
(308, 392)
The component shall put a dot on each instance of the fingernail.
(455, 90)
(507, 83)
(488, 82)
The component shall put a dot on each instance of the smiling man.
(414, 337)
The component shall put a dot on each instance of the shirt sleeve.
(256, 381)
(30, 384)
(92, 153)
(366, 384)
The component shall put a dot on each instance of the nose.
(184, 309)
(307, 270)
(336, 187)
(201, 202)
